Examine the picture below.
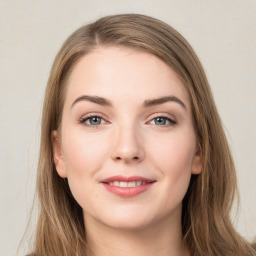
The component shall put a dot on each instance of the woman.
(133, 156)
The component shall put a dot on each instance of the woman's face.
(127, 144)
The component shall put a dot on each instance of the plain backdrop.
(223, 34)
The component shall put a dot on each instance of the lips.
(127, 186)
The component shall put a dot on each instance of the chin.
(129, 224)
(132, 219)
(125, 218)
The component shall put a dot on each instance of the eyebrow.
(147, 103)
(95, 99)
(162, 100)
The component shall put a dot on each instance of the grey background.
(223, 34)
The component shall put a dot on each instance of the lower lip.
(128, 191)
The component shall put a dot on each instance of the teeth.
(124, 184)
(138, 183)
(115, 183)
(132, 184)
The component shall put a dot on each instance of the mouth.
(127, 186)
(124, 184)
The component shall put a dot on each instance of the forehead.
(123, 73)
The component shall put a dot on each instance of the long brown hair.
(206, 224)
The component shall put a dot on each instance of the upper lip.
(126, 179)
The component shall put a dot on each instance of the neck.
(160, 239)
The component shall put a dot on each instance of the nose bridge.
(128, 144)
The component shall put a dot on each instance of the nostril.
(133, 158)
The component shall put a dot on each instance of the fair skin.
(126, 133)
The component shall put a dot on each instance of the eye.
(162, 121)
(92, 121)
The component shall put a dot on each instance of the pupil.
(95, 120)
(160, 120)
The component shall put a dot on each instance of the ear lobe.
(58, 156)
(197, 164)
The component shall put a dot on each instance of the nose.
(128, 146)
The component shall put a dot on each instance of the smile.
(127, 186)
(124, 184)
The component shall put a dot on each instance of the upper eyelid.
(165, 115)
(93, 114)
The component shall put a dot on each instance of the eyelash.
(86, 118)
(90, 117)
(171, 121)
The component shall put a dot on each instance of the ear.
(58, 155)
(197, 164)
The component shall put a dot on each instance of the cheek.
(173, 156)
(176, 149)
(83, 153)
